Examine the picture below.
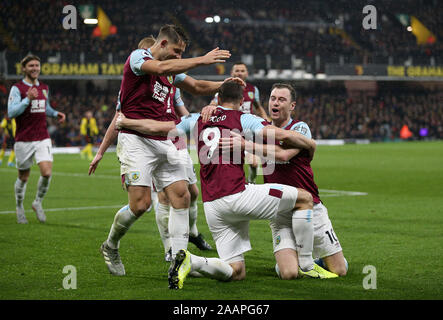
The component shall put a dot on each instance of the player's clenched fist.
(216, 55)
(32, 94)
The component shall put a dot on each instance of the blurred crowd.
(304, 28)
(331, 113)
(378, 118)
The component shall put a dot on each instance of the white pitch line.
(69, 209)
(68, 174)
(337, 193)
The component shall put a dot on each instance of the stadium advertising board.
(77, 69)
(385, 70)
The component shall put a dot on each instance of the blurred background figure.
(7, 130)
(88, 131)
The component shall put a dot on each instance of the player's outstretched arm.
(266, 151)
(145, 126)
(176, 66)
(204, 87)
(289, 137)
(110, 136)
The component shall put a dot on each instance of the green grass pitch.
(397, 228)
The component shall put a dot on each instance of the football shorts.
(143, 160)
(27, 151)
(325, 240)
(228, 217)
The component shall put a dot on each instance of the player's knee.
(140, 207)
(23, 179)
(182, 199)
(288, 274)
(340, 270)
(304, 200)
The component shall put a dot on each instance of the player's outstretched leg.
(214, 268)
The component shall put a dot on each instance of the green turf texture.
(397, 228)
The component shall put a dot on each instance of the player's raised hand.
(94, 163)
(216, 56)
(61, 117)
(207, 112)
(32, 94)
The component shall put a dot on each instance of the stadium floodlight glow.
(226, 20)
(409, 28)
(90, 21)
(209, 20)
(217, 19)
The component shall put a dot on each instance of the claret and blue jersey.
(220, 178)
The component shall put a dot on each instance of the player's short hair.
(230, 91)
(286, 86)
(173, 33)
(146, 42)
(28, 58)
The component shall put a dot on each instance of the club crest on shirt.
(251, 95)
(170, 79)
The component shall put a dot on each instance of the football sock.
(42, 187)
(178, 229)
(154, 199)
(123, 220)
(211, 267)
(20, 189)
(162, 219)
(193, 211)
(303, 229)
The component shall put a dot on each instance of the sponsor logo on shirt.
(160, 92)
(38, 106)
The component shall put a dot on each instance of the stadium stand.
(305, 34)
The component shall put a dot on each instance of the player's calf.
(336, 263)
